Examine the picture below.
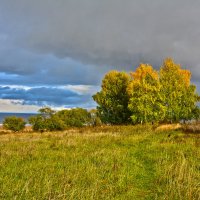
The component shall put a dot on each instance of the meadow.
(119, 162)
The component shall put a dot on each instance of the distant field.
(129, 163)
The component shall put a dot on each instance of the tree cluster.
(49, 120)
(147, 95)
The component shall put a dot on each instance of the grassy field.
(100, 163)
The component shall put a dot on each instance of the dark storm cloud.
(36, 69)
(107, 32)
(45, 96)
(61, 42)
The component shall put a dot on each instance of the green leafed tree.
(38, 123)
(145, 101)
(46, 112)
(46, 120)
(76, 117)
(113, 99)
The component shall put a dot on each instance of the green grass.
(100, 163)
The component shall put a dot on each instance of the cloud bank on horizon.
(56, 52)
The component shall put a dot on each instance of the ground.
(121, 162)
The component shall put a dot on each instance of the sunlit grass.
(100, 163)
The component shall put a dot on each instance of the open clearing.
(101, 163)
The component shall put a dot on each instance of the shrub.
(77, 117)
(41, 123)
(14, 123)
(54, 124)
(37, 122)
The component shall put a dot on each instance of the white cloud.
(16, 86)
(7, 105)
(82, 89)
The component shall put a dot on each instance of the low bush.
(40, 123)
(14, 123)
(76, 117)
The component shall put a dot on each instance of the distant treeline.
(49, 120)
(147, 95)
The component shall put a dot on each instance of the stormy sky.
(55, 52)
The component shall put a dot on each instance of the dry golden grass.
(169, 127)
(120, 162)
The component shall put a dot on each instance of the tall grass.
(121, 162)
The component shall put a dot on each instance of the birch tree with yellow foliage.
(178, 94)
(145, 102)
